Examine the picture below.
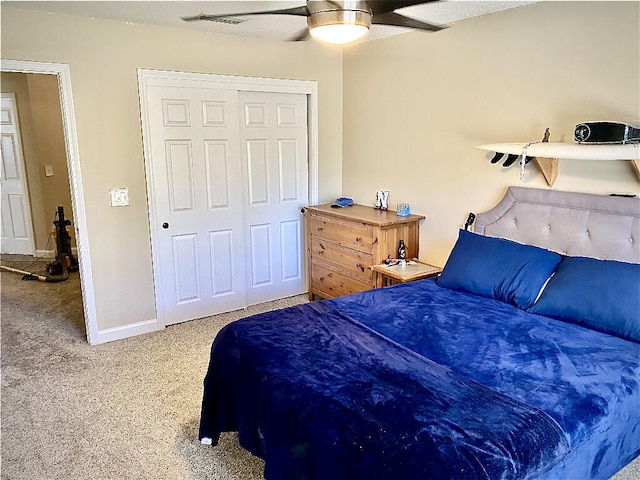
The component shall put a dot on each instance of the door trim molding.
(62, 71)
(161, 78)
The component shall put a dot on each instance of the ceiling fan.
(339, 22)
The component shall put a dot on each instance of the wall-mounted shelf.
(547, 154)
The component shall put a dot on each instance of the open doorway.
(35, 185)
(57, 159)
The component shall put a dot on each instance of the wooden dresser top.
(365, 214)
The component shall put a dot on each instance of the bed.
(522, 360)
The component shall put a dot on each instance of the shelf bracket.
(549, 168)
(636, 167)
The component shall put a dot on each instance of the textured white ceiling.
(277, 27)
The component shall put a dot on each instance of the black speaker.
(606, 132)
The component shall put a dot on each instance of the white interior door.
(275, 171)
(17, 230)
(198, 202)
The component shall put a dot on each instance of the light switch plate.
(48, 170)
(119, 197)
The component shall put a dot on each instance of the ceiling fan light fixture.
(339, 27)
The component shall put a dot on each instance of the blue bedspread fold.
(320, 395)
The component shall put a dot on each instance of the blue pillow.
(498, 268)
(602, 295)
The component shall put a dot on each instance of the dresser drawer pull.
(319, 229)
(357, 239)
(359, 265)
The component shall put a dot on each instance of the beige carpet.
(123, 410)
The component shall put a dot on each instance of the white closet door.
(275, 170)
(17, 235)
(197, 194)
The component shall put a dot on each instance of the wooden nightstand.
(390, 275)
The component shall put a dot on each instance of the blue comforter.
(417, 381)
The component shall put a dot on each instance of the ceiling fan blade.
(336, 3)
(300, 11)
(378, 7)
(395, 19)
(301, 36)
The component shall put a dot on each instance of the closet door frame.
(157, 78)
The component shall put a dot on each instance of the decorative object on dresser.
(403, 209)
(382, 199)
(344, 242)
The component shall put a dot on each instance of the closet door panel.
(275, 161)
(198, 202)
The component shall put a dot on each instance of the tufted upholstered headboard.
(577, 224)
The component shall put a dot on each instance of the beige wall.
(417, 105)
(104, 57)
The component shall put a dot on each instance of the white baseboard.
(52, 253)
(125, 331)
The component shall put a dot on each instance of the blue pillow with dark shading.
(498, 268)
(603, 295)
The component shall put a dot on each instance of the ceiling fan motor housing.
(330, 13)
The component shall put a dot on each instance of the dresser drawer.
(329, 283)
(342, 232)
(354, 262)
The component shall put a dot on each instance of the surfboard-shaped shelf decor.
(547, 154)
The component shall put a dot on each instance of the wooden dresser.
(344, 242)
